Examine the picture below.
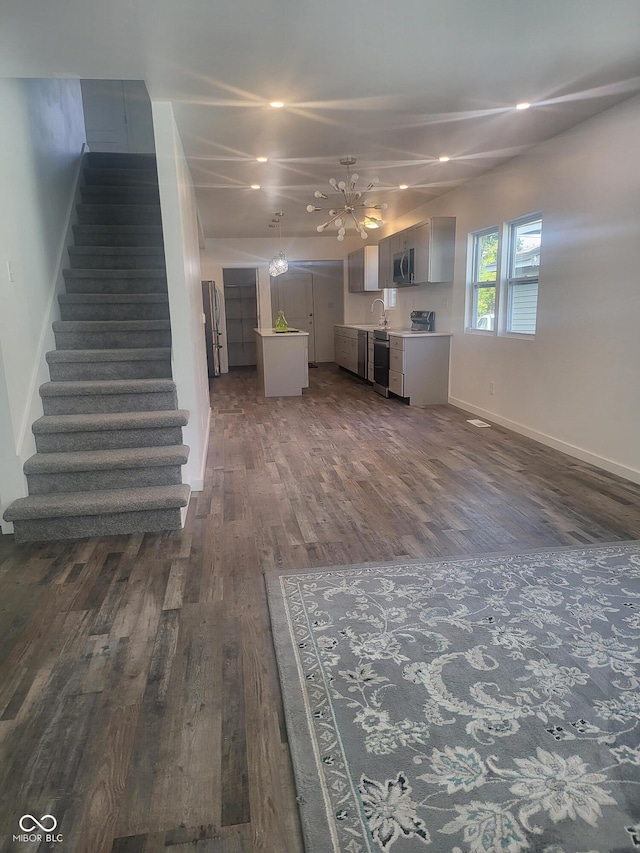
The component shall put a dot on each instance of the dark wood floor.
(139, 699)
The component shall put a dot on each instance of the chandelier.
(278, 263)
(351, 205)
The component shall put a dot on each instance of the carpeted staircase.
(109, 445)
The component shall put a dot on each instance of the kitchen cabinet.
(419, 368)
(346, 348)
(433, 244)
(385, 268)
(362, 269)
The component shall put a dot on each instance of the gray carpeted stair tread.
(111, 298)
(101, 460)
(117, 251)
(118, 235)
(99, 502)
(111, 325)
(106, 386)
(110, 421)
(120, 160)
(116, 214)
(111, 274)
(82, 355)
(136, 193)
(95, 176)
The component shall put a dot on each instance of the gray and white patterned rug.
(475, 705)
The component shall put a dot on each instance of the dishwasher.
(363, 348)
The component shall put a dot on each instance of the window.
(390, 297)
(484, 271)
(522, 275)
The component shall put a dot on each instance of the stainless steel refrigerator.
(211, 303)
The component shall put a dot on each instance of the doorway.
(292, 293)
(241, 311)
(311, 296)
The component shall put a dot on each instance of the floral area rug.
(489, 705)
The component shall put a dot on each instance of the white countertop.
(271, 333)
(401, 333)
(407, 333)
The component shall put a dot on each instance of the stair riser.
(87, 481)
(87, 404)
(120, 177)
(112, 340)
(98, 214)
(88, 261)
(115, 311)
(83, 370)
(119, 195)
(77, 527)
(115, 160)
(116, 285)
(113, 439)
(117, 239)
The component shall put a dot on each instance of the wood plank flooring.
(139, 697)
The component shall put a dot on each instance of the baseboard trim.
(570, 449)
(197, 485)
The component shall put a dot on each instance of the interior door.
(292, 293)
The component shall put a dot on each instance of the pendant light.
(278, 263)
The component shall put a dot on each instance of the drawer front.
(395, 342)
(396, 360)
(396, 383)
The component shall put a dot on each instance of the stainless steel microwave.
(403, 268)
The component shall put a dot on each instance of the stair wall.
(109, 445)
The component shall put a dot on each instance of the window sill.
(482, 332)
(517, 336)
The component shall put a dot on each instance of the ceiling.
(396, 85)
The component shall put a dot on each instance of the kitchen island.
(282, 360)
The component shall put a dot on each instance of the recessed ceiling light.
(403, 186)
(523, 105)
(255, 186)
(277, 105)
(262, 159)
(444, 158)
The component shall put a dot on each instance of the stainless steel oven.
(381, 362)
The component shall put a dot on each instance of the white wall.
(182, 252)
(576, 386)
(40, 149)
(117, 116)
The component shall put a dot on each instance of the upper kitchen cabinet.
(385, 266)
(362, 269)
(433, 243)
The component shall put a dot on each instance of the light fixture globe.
(351, 204)
(278, 265)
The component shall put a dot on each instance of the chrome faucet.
(384, 321)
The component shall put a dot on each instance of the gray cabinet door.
(355, 271)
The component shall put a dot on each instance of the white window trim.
(508, 230)
(472, 285)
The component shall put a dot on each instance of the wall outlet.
(492, 388)
(10, 271)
